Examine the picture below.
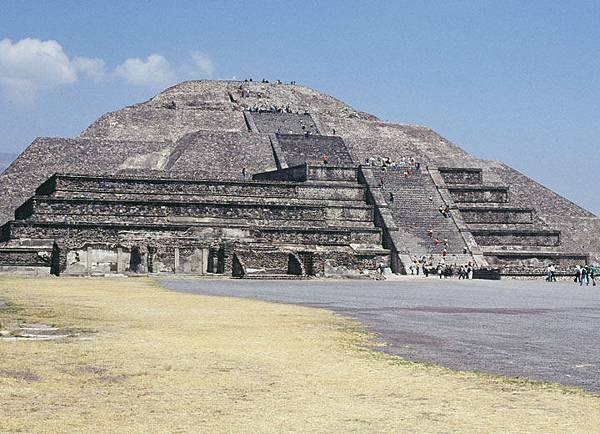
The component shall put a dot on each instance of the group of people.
(425, 266)
(274, 109)
(445, 243)
(586, 274)
(407, 165)
(583, 274)
(264, 80)
(444, 210)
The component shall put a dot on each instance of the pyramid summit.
(260, 179)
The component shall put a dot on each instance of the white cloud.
(154, 71)
(94, 68)
(30, 65)
(203, 63)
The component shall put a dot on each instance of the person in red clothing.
(325, 159)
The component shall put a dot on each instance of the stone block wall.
(162, 124)
(20, 257)
(74, 186)
(221, 155)
(284, 123)
(497, 215)
(311, 172)
(455, 175)
(483, 194)
(527, 238)
(45, 157)
(299, 149)
(513, 263)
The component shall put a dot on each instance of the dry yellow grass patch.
(161, 361)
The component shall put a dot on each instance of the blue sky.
(517, 81)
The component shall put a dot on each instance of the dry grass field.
(148, 360)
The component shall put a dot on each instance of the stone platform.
(315, 223)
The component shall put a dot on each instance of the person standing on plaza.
(577, 274)
(584, 276)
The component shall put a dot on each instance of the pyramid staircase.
(415, 211)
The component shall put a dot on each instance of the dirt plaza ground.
(518, 328)
(140, 358)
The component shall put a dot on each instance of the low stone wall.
(483, 194)
(24, 257)
(289, 174)
(454, 175)
(298, 149)
(184, 189)
(310, 172)
(547, 238)
(497, 215)
(101, 258)
(340, 264)
(114, 233)
(530, 263)
(263, 261)
(327, 172)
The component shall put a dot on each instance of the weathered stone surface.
(298, 149)
(283, 123)
(45, 157)
(460, 175)
(220, 155)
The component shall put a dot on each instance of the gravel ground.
(535, 330)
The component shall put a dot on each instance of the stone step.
(516, 227)
(109, 232)
(172, 187)
(310, 201)
(478, 193)
(461, 175)
(41, 205)
(414, 213)
(533, 263)
(517, 237)
(496, 215)
(191, 220)
(268, 122)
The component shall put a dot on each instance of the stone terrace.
(513, 238)
(298, 149)
(283, 123)
(174, 223)
(230, 152)
(46, 156)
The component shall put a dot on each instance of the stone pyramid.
(209, 134)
